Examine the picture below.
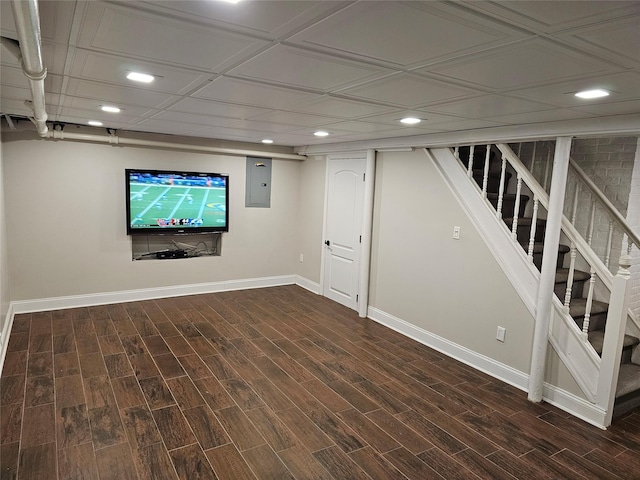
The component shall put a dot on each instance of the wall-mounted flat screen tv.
(170, 202)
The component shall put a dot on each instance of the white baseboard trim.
(562, 399)
(75, 301)
(308, 284)
(4, 338)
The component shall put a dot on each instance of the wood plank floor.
(273, 383)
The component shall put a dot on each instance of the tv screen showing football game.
(160, 201)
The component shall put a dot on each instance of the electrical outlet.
(456, 233)
(500, 334)
(301, 258)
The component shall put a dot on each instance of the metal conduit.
(115, 140)
(27, 19)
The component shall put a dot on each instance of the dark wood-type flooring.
(273, 383)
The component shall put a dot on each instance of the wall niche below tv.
(175, 246)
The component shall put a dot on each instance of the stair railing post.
(534, 223)
(572, 268)
(485, 173)
(548, 271)
(516, 209)
(614, 339)
(503, 172)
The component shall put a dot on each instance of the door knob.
(327, 243)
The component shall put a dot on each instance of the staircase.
(573, 287)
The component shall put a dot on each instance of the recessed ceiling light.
(230, 1)
(267, 140)
(596, 93)
(95, 123)
(321, 133)
(110, 109)
(140, 77)
(410, 120)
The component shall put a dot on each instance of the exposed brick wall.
(609, 164)
(633, 217)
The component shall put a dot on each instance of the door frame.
(366, 228)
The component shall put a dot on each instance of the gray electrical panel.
(258, 189)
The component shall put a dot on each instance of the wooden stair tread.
(596, 339)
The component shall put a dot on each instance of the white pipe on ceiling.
(27, 19)
(115, 140)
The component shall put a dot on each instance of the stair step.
(596, 339)
(538, 247)
(598, 313)
(524, 227)
(562, 275)
(628, 379)
(579, 306)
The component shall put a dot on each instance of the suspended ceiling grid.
(284, 69)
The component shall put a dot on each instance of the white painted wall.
(66, 221)
(310, 217)
(451, 288)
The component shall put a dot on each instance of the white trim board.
(4, 338)
(560, 398)
(75, 301)
(307, 284)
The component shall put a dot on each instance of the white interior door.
(343, 229)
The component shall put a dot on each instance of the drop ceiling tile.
(269, 127)
(612, 39)
(180, 117)
(359, 127)
(55, 20)
(117, 94)
(393, 118)
(162, 126)
(124, 31)
(109, 119)
(554, 115)
(13, 76)
(291, 118)
(466, 124)
(553, 15)
(405, 33)
(520, 64)
(114, 69)
(333, 133)
(612, 108)
(301, 68)
(406, 90)
(220, 109)
(339, 107)
(488, 106)
(14, 106)
(93, 105)
(271, 19)
(24, 94)
(252, 93)
(623, 86)
(7, 25)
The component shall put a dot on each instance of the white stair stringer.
(577, 355)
